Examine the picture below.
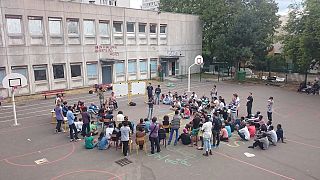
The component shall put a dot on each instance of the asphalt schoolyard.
(34, 139)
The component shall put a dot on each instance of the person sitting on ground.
(141, 124)
(194, 96)
(185, 137)
(147, 125)
(139, 135)
(93, 108)
(166, 100)
(262, 142)
(252, 129)
(273, 135)
(103, 143)
(93, 128)
(186, 112)
(109, 115)
(166, 123)
(244, 133)
(90, 142)
(280, 133)
(79, 125)
(109, 131)
(228, 128)
(224, 134)
(176, 105)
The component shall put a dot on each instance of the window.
(120, 68)
(75, 70)
(117, 27)
(58, 71)
(35, 25)
(104, 28)
(40, 73)
(143, 66)
(163, 29)
(2, 74)
(88, 28)
(130, 27)
(92, 70)
(21, 70)
(73, 26)
(132, 66)
(14, 24)
(142, 28)
(154, 64)
(153, 28)
(55, 26)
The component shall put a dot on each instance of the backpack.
(132, 104)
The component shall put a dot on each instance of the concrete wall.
(183, 39)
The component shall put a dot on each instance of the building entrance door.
(164, 66)
(173, 68)
(106, 74)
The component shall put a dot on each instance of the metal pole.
(189, 77)
(200, 73)
(14, 110)
(150, 71)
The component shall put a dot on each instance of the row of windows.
(35, 26)
(40, 71)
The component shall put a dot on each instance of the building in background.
(119, 3)
(67, 45)
(150, 5)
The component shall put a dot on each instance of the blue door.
(106, 74)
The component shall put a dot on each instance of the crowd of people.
(206, 121)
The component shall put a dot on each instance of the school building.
(65, 45)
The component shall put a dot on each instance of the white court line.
(70, 102)
(47, 114)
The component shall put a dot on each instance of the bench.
(52, 92)
(96, 87)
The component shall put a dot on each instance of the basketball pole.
(189, 77)
(14, 109)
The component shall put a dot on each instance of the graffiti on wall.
(171, 52)
(111, 50)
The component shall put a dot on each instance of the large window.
(117, 27)
(153, 28)
(120, 68)
(154, 64)
(21, 70)
(163, 29)
(143, 66)
(132, 66)
(35, 26)
(92, 70)
(142, 28)
(130, 27)
(73, 26)
(55, 26)
(14, 25)
(58, 71)
(2, 74)
(104, 28)
(40, 73)
(75, 70)
(89, 28)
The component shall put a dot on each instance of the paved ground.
(34, 139)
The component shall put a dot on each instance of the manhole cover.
(123, 162)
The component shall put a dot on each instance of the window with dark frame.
(40, 73)
(73, 26)
(58, 71)
(14, 24)
(75, 70)
(142, 28)
(130, 27)
(153, 28)
(117, 26)
(163, 29)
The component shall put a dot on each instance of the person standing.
(114, 101)
(125, 137)
(270, 108)
(175, 125)
(214, 92)
(249, 104)
(157, 91)
(217, 124)
(101, 96)
(149, 91)
(150, 109)
(154, 137)
(72, 126)
(86, 122)
(207, 135)
(59, 117)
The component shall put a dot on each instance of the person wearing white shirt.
(109, 131)
(273, 135)
(119, 118)
(244, 133)
(207, 136)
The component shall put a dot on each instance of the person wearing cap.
(185, 137)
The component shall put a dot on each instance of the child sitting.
(185, 137)
(90, 142)
(103, 143)
(186, 112)
(93, 128)
(228, 128)
(252, 129)
(224, 134)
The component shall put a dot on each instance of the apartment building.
(150, 5)
(66, 45)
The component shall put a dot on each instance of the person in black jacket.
(185, 137)
(157, 92)
(216, 130)
(249, 104)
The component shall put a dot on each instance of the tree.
(233, 30)
(302, 41)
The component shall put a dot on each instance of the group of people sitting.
(310, 88)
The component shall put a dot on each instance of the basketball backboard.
(13, 80)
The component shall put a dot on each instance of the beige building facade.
(67, 45)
